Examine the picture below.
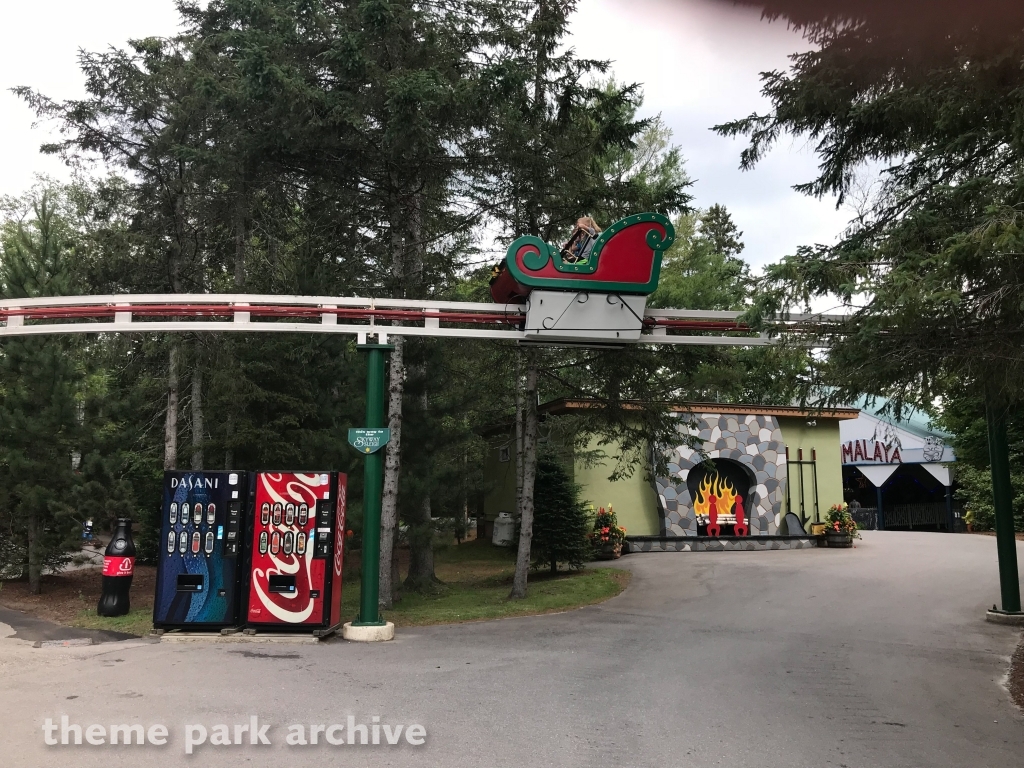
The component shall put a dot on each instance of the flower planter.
(610, 551)
(607, 536)
(839, 540)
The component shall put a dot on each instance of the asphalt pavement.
(875, 656)
(25, 627)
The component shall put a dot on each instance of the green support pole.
(1002, 493)
(369, 607)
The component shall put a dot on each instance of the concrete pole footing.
(1015, 619)
(371, 634)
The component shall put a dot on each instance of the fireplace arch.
(753, 441)
(721, 494)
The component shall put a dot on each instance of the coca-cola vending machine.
(297, 533)
(199, 573)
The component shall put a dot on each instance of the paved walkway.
(25, 627)
(876, 656)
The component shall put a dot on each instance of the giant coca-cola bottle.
(118, 567)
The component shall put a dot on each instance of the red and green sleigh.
(625, 259)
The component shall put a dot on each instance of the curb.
(1003, 617)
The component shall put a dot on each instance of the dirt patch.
(622, 577)
(1016, 680)
(64, 596)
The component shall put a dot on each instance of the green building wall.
(634, 499)
(501, 481)
(824, 439)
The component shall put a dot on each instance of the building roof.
(915, 421)
(566, 405)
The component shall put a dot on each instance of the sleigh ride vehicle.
(593, 289)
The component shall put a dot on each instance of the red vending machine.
(297, 533)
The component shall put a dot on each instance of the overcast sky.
(699, 62)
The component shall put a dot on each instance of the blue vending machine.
(200, 569)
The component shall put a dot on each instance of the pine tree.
(40, 381)
(560, 522)
(702, 268)
(930, 267)
(562, 144)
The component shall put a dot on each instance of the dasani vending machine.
(200, 567)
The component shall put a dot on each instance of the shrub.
(560, 519)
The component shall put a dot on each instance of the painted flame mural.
(715, 494)
(719, 503)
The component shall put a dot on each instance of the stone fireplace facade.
(755, 442)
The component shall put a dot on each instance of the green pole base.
(380, 623)
(1013, 618)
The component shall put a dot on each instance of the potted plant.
(841, 529)
(607, 536)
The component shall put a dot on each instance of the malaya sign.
(858, 450)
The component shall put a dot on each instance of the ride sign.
(368, 440)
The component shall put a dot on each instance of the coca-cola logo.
(339, 550)
(118, 566)
(339, 528)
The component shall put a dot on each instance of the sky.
(699, 62)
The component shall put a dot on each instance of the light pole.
(1002, 496)
(370, 441)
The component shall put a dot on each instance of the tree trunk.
(174, 259)
(529, 477)
(228, 359)
(241, 240)
(35, 557)
(392, 465)
(197, 416)
(421, 539)
(241, 235)
(396, 576)
(171, 418)
(464, 501)
(405, 228)
(520, 407)
(534, 205)
(229, 438)
(421, 551)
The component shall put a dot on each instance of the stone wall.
(753, 441)
(728, 544)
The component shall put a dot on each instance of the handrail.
(219, 312)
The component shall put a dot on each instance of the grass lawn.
(475, 581)
(476, 578)
(139, 621)
(70, 598)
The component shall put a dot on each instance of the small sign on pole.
(368, 440)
